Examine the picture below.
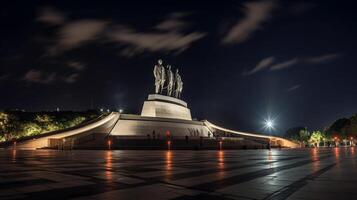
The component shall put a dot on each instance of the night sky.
(241, 61)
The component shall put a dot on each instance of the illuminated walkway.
(244, 174)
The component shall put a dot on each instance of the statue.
(180, 89)
(165, 79)
(170, 80)
(179, 84)
(157, 75)
(162, 78)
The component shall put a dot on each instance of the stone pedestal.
(165, 107)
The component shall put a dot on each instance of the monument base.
(161, 116)
(165, 107)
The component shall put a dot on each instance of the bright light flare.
(269, 124)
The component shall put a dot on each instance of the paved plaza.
(236, 174)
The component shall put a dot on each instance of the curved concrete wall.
(274, 140)
(103, 125)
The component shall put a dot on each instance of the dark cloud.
(76, 65)
(4, 77)
(71, 78)
(51, 16)
(37, 76)
(300, 8)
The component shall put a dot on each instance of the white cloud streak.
(41, 77)
(256, 13)
(269, 62)
(77, 33)
(295, 87)
(174, 22)
(323, 58)
(137, 42)
(285, 64)
(266, 62)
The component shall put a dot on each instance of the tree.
(339, 127)
(3, 123)
(352, 128)
(304, 135)
(4, 120)
(298, 134)
(294, 133)
(316, 137)
(47, 123)
(43, 118)
(9, 126)
(30, 129)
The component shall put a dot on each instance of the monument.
(164, 118)
(166, 106)
(164, 111)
